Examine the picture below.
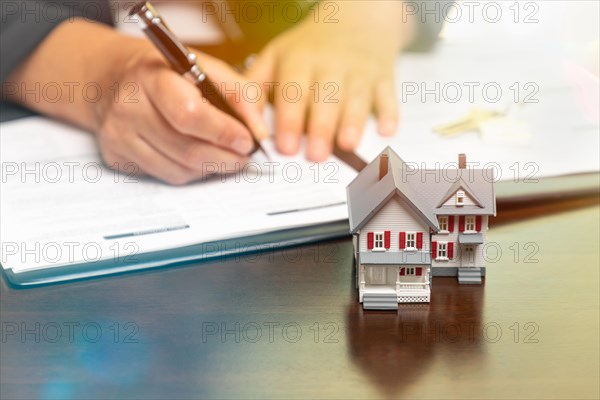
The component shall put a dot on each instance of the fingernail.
(319, 149)
(242, 145)
(387, 127)
(288, 143)
(349, 138)
(260, 129)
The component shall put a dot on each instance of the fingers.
(246, 97)
(386, 106)
(150, 161)
(262, 72)
(291, 99)
(153, 163)
(144, 143)
(117, 162)
(357, 107)
(122, 146)
(190, 114)
(324, 115)
(194, 154)
(342, 104)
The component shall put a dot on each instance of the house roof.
(425, 191)
(367, 194)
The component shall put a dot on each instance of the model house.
(410, 224)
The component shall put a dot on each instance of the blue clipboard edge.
(181, 256)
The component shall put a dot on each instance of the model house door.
(468, 255)
(378, 275)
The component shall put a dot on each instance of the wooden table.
(287, 324)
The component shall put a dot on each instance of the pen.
(183, 61)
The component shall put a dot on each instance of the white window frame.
(410, 271)
(442, 251)
(460, 198)
(378, 237)
(411, 237)
(470, 221)
(444, 219)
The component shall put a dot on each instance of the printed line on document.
(147, 232)
(305, 209)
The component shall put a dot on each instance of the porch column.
(361, 276)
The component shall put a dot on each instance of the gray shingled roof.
(367, 194)
(424, 191)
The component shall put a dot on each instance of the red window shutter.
(419, 240)
(402, 272)
(450, 250)
(386, 238)
(478, 223)
(451, 223)
(402, 240)
(419, 271)
(433, 250)
(461, 223)
(370, 240)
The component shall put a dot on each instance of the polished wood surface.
(531, 331)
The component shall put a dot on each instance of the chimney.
(383, 166)
(462, 161)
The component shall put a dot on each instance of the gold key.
(469, 123)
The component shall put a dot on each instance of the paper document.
(546, 132)
(60, 206)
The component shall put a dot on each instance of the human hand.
(167, 129)
(344, 66)
(143, 112)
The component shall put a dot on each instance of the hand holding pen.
(147, 118)
(184, 61)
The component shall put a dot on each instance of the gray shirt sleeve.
(24, 24)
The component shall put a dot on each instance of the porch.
(379, 285)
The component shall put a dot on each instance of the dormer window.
(460, 198)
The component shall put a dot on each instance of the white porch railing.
(412, 285)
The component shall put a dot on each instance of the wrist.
(80, 60)
(374, 19)
(408, 27)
